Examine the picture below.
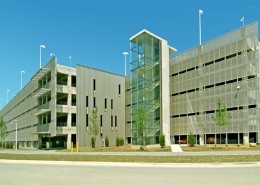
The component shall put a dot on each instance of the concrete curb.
(122, 164)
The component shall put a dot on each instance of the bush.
(121, 142)
(1, 144)
(106, 141)
(191, 140)
(7, 145)
(117, 141)
(162, 140)
(93, 142)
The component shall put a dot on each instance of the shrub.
(106, 141)
(162, 140)
(117, 141)
(93, 143)
(121, 142)
(11, 145)
(1, 144)
(191, 140)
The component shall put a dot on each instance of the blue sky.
(96, 32)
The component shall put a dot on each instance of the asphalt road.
(50, 174)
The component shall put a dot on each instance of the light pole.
(15, 133)
(41, 46)
(125, 53)
(70, 60)
(243, 21)
(2, 99)
(7, 92)
(200, 13)
(22, 79)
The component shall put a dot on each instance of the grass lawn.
(136, 159)
(143, 159)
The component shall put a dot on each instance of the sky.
(95, 33)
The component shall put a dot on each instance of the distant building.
(178, 92)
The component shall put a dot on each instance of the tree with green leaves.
(94, 126)
(3, 130)
(191, 140)
(222, 117)
(162, 140)
(139, 118)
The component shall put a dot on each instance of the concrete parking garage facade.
(179, 94)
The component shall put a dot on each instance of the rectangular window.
(94, 84)
(94, 102)
(115, 121)
(111, 104)
(86, 101)
(119, 89)
(111, 121)
(87, 120)
(105, 103)
(101, 121)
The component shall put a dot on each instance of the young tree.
(3, 130)
(94, 126)
(191, 140)
(162, 140)
(139, 118)
(222, 117)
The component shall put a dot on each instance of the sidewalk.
(127, 164)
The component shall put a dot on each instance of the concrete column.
(202, 139)
(69, 101)
(40, 142)
(246, 138)
(258, 137)
(68, 141)
(165, 92)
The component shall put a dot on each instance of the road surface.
(57, 174)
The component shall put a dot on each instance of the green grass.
(135, 159)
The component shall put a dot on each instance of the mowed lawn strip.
(135, 159)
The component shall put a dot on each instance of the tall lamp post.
(22, 79)
(2, 99)
(125, 53)
(70, 60)
(15, 133)
(41, 46)
(7, 92)
(200, 13)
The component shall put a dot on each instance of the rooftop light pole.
(15, 133)
(22, 79)
(200, 13)
(2, 99)
(125, 53)
(41, 46)
(7, 92)
(243, 21)
(70, 60)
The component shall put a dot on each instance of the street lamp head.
(125, 53)
(238, 87)
(42, 46)
(22, 71)
(8, 90)
(69, 57)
